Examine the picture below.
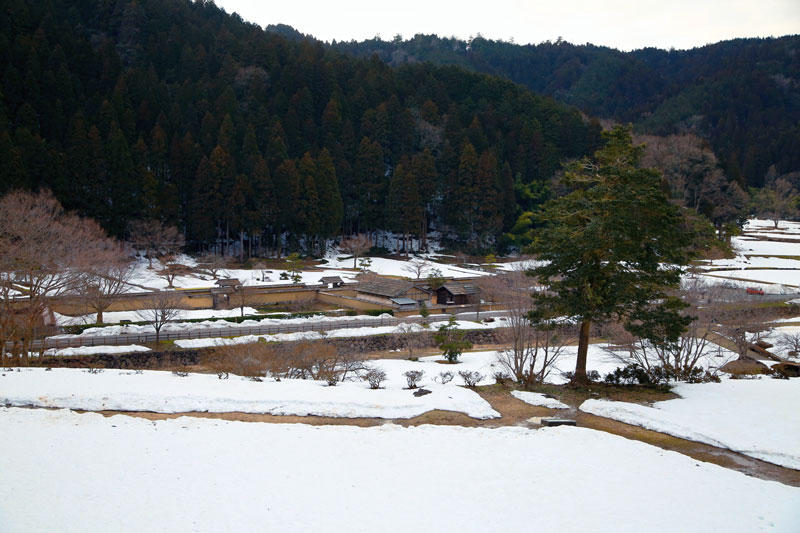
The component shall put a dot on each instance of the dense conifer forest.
(175, 111)
(742, 96)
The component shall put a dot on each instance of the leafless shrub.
(471, 378)
(316, 360)
(413, 377)
(253, 359)
(531, 349)
(444, 377)
(410, 339)
(501, 378)
(374, 376)
(681, 359)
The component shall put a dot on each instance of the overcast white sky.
(623, 24)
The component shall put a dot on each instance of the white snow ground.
(538, 399)
(66, 472)
(397, 267)
(164, 392)
(756, 417)
(114, 317)
(90, 350)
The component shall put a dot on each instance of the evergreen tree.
(613, 247)
(329, 197)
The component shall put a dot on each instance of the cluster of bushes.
(633, 374)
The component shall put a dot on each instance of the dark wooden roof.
(458, 289)
(330, 279)
(385, 287)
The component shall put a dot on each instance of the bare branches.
(356, 246)
(106, 278)
(163, 306)
(155, 239)
(417, 267)
(44, 252)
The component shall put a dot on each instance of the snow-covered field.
(397, 267)
(757, 262)
(145, 278)
(788, 278)
(334, 333)
(65, 472)
(756, 417)
(114, 317)
(164, 392)
(761, 225)
(753, 246)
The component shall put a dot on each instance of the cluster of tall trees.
(177, 112)
(740, 95)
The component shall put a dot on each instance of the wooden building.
(456, 293)
(384, 291)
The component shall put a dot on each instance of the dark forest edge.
(174, 113)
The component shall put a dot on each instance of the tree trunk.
(583, 346)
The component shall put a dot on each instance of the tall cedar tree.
(613, 246)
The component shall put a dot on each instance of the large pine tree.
(612, 248)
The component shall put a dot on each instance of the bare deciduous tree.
(44, 253)
(790, 343)
(155, 239)
(531, 349)
(211, 264)
(172, 269)
(776, 201)
(417, 267)
(163, 306)
(356, 246)
(106, 278)
(410, 338)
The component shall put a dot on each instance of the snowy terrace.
(130, 474)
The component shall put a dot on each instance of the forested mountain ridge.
(742, 95)
(176, 111)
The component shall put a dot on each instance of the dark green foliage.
(614, 245)
(176, 111)
(658, 375)
(451, 340)
(741, 94)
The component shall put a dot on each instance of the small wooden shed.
(331, 282)
(456, 293)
